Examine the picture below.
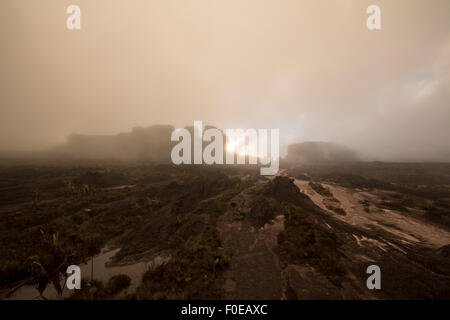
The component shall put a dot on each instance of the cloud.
(310, 68)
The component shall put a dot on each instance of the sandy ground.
(409, 229)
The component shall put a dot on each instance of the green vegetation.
(86, 206)
(190, 274)
(193, 270)
(335, 209)
(117, 283)
(366, 205)
(330, 202)
(407, 201)
(317, 187)
(96, 290)
(49, 265)
(431, 205)
(55, 216)
(37, 198)
(57, 202)
(304, 241)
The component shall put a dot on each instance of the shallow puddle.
(101, 272)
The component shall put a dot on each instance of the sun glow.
(239, 147)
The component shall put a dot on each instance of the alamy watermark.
(374, 280)
(239, 144)
(74, 277)
(73, 22)
(373, 21)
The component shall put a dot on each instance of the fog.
(310, 68)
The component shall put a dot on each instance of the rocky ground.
(230, 233)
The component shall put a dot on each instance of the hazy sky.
(310, 68)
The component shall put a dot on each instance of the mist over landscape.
(115, 141)
(310, 68)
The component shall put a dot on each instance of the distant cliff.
(149, 143)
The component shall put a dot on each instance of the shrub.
(117, 283)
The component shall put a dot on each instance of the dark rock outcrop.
(150, 143)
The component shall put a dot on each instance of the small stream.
(101, 273)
